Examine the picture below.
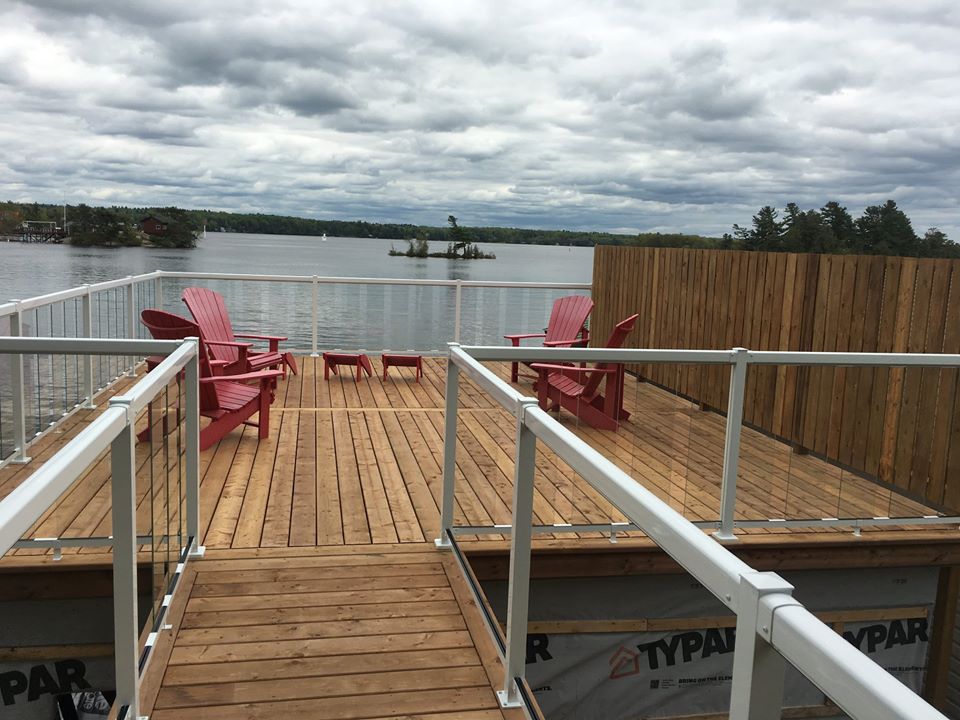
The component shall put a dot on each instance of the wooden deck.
(343, 632)
(357, 463)
(322, 595)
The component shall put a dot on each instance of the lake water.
(351, 317)
(29, 270)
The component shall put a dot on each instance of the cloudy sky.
(615, 115)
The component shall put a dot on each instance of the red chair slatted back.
(167, 326)
(567, 317)
(210, 312)
(616, 339)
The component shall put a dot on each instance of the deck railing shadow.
(773, 630)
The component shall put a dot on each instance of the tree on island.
(181, 230)
(101, 226)
(462, 247)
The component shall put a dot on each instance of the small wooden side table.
(395, 360)
(333, 359)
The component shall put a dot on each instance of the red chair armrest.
(217, 366)
(243, 377)
(560, 343)
(572, 368)
(228, 343)
(260, 337)
(523, 336)
(515, 339)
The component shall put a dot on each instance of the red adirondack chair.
(566, 327)
(578, 388)
(226, 399)
(210, 312)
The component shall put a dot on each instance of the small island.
(462, 246)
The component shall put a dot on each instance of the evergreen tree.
(836, 217)
(766, 233)
(808, 233)
(886, 230)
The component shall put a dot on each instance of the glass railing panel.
(486, 446)
(489, 313)
(161, 491)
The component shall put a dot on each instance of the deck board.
(361, 464)
(356, 633)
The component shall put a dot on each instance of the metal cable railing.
(113, 431)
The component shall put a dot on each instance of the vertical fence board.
(842, 343)
(900, 426)
(946, 418)
(917, 463)
(857, 423)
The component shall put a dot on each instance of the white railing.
(772, 628)
(113, 430)
(40, 390)
(453, 301)
(739, 359)
(340, 312)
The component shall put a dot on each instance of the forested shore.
(880, 229)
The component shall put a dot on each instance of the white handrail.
(61, 295)
(709, 357)
(28, 501)
(767, 612)
(338, 280)
(85, 346)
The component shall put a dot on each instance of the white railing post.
(158, 292)
(758, 669)
(315, 316)
(19, 397)
(192, 461)
(451, 399)
(456, 312)
(86, 311)
(518, 591)
(131, 324)
(731, 445)
(125, 620)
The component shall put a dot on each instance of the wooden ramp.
(324, 633)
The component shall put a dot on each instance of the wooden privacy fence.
(901, 426)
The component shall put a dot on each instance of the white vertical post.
(518, 591)
(158, 292)
(451, 398)
(19, 396)
(87, 332)
(125, 620)
(131, 324)
(192, 462)
(731, 445)
(758, 669)
(315, 316)
(456, 312)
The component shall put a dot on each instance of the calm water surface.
(28, 270)
(368, 317)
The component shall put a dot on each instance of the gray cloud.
(613, 115)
